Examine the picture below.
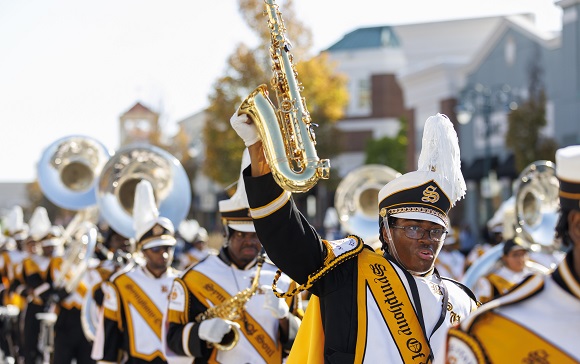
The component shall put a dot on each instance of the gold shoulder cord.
(320, 272)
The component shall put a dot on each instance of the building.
(417, 70)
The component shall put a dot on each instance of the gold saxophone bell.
(287, 132)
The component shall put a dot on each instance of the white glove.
(245, 128)
(214, 329)
(277, 306)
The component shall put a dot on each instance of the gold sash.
(390, 295)
(133, 295)
(496, 335)
(205, 287)
(501, 284)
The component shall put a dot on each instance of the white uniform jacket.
(135, 301)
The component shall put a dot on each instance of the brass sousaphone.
(68, 171)
(356, 200)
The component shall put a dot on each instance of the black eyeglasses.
(417, 232)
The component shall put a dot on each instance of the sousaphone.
(356, 200)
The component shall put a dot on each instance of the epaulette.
(337, 252)
(529, 287)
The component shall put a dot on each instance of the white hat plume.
(440, 154)
(145, 212)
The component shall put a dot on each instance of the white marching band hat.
(15, 227)
(151, 230)
(568, 173)
(235, 211)
(42, 230)
(429, 192)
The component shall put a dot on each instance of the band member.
(391, 308)
(15, 233)
(113, 253)
(194, 238)
(136, 297)
(264, 322)
(512, 271)
(538, 320)
(450, 261)
(44, 238)
(70, 343)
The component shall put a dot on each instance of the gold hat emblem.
(430, 194)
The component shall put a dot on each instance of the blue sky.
(71, 67)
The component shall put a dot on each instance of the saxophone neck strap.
(338, 252)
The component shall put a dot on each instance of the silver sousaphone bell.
(122, 173)
(356, 200)
(68, 171)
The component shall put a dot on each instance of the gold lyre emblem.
(430, 194)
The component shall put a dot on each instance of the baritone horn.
(356, 200)
(120, 176)
(287, 131)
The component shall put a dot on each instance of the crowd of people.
(164, 296)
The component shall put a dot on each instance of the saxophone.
(232, 309)
(287, 132)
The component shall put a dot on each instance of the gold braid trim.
(327, 267)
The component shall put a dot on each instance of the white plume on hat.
(238, 204)
(440, 154)
(146, 216)
(40, 224)
(188, 229)
(15, 225)
(429, 192)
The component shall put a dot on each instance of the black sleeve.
(176, 331)
(290, 241)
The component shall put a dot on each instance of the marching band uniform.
(366, 307)
(216, 279)
(34, 275)
(69, 341)
(538, 321)
(450, 262)
(136, 298)
(15, 234)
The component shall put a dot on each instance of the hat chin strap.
(394, 253)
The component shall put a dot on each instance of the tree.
(524, 123)
(324, 91)
(389, 151)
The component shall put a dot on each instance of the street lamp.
(484, 101)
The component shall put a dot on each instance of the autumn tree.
(525, 123)
(324, 90)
